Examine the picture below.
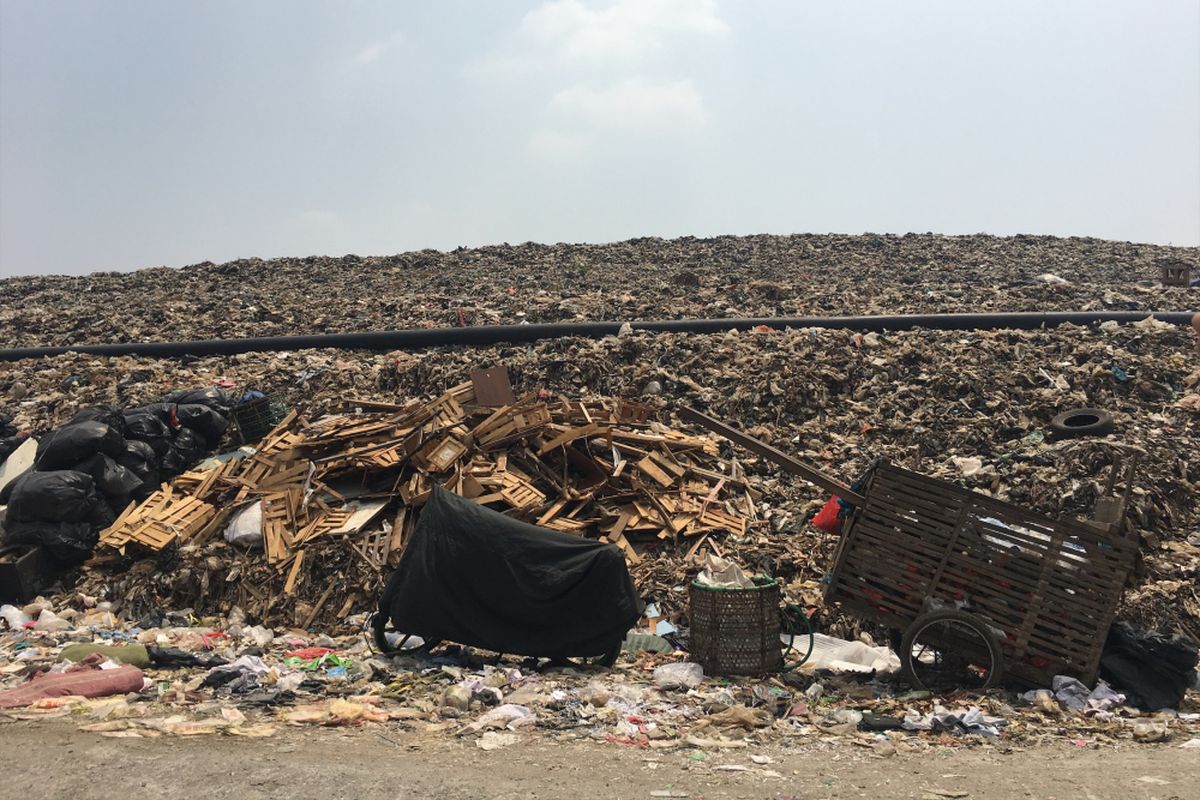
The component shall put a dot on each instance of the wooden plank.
(648, 467)
(568, 436)
(289, 587)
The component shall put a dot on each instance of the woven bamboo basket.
(736, 631)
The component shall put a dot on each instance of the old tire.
(1082, 422)
(983, 669)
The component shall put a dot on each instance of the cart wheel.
(607, 659)
(610, 656)
(950, 649)
(379, 623)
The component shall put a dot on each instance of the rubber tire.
(909, 676)
(1103, 423)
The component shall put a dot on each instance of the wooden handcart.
(977, 587)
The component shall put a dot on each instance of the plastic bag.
(204, 420)
(15, 617)
(164, 411)
(107, 415)
(1152, 669)
(112, 479)
(187, 447)
(71, 444)
(70, 542)
(9, 445)
(215, 398)
(245, 529)
(681, 675)
(723, 574)
(146, 426)
(57, 496)
(139, 458)
(828, 519)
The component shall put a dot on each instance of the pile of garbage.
(294, 508)
(84, 474)
(973, 408)
(648, 278)
(176, 673)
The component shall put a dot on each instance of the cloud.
(373, 51)
(635, 104)
(318, 217)
(556, 145)
(570, 32)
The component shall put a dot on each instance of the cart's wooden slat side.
(1049, 586)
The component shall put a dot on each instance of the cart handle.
(789, 464)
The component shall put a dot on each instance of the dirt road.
(52, 759)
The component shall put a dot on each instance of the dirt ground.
(52, 759)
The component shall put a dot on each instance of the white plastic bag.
(681, 675)
(723, 574)
(246, 528)
(15, 617)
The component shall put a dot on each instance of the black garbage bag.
(215, 398)
(10, 440)
(187, 447)
(164, 411)
(56, 496)
(79, 441)
(204, 420)
(145, 426)
(140, 459)
(1152, 669)
(70, 542)
(112, 479)
(9, 444)
(109, 415)
(474, 576)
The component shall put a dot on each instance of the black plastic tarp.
(474, 576)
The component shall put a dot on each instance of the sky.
(138, 133)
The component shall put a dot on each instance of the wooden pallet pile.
(597, 468)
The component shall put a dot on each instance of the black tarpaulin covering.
(474, 576)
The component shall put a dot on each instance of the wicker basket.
(736, 631)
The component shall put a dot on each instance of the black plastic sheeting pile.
(88, 471)
(472, 575)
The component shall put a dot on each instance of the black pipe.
(495, 334)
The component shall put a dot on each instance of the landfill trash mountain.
(648, 278)
(834, 398)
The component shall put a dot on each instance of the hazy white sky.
(139, 133)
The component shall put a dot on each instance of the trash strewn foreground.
(265, 679)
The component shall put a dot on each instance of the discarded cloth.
(969, 721)
(1074, 695)
(85, 679)
(133, 654)
(247, 669)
